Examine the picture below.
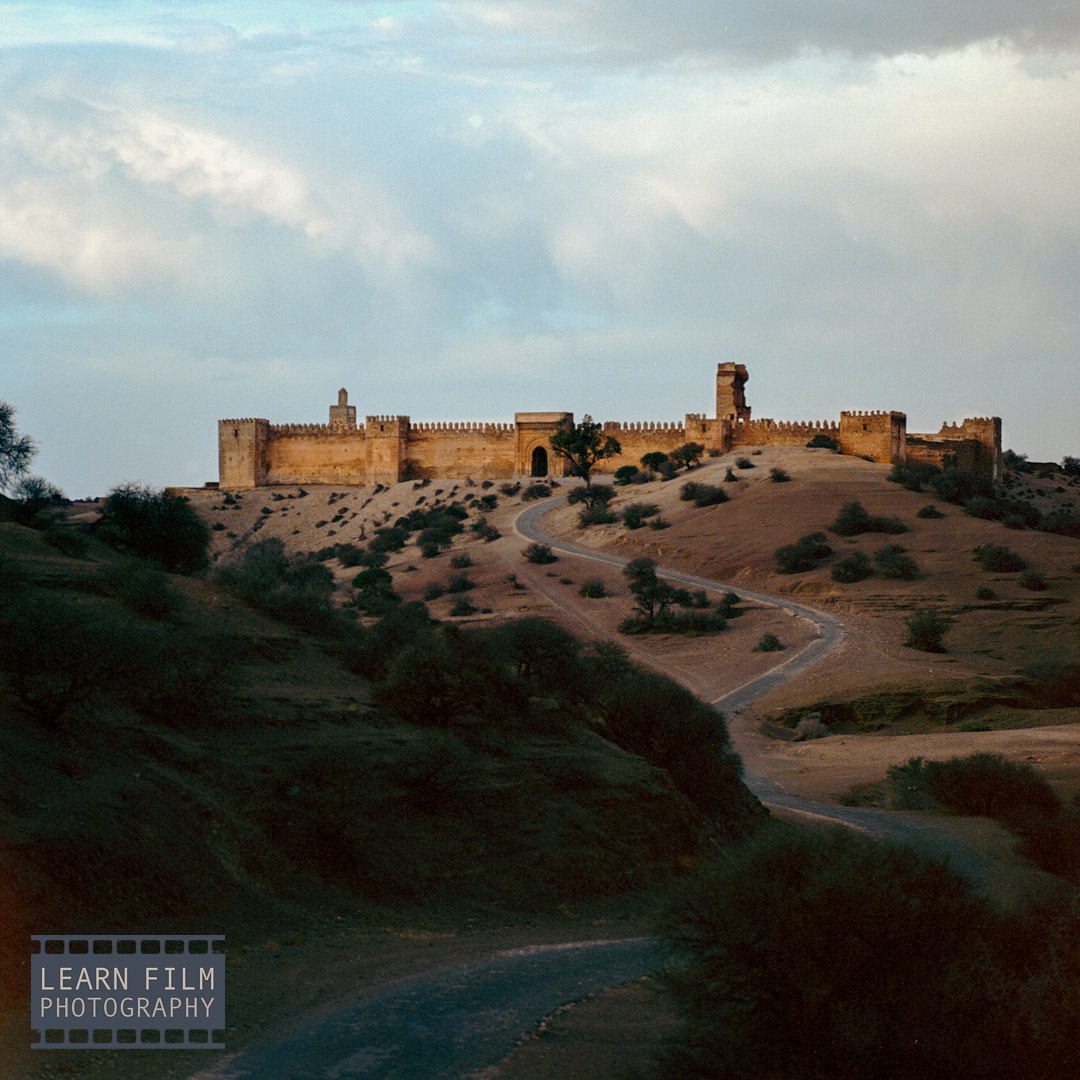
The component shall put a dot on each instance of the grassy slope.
(297, 800)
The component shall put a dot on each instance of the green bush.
(702, 494)
(823, 442)
(625, 474)
(535, 491)
(929, 511)
(957, 486)
(459, 583)
(768, 643)
(853, 520)
(540, 554)
(802, 556)
(598, 514)
(593, 589)
(594, 495)
(1033, 580)
(659, 523)
(824, 955)
(689, 454)
(294, 588)
(984, 592)
(434, 591)
(852, 568)
(155, 525)
(654, 459)
(986, 785)
(730, 477)
(389, 538)
(926, 628)
(914, 475)
(462, 607)
(461, 562)
(778, 475)
(141, 588)
(892, 562)
(634, 514)
(744, 463)
(999, 559)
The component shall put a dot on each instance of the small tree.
(653, 459)
(688, 454)
(156, 525)
(652, 597)
(926, 628)
(16, 451)
(583, 445)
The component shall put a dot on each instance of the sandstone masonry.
(387, 449)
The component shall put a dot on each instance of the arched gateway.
(539, 462)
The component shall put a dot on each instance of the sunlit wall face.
(460, 210)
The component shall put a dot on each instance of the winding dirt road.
(455, 1022)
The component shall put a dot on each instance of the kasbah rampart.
(389, 449)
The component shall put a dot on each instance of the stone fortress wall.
(387, 449)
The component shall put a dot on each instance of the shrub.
(853, 520)
(155, 525)
(730, 477)
(986, 785)
(999, 559)
(654, 459)
(434, 591)
(768, 643)
(913, 474)
(509, 490)
(596, 495)
(769, 991)
(703, 494)
(667, 470)
(636, 514)
(926, 628)
(659, 523)
(893, 563)
(598, 514)
(459, 583)
(1033, 580)
(487, 533)
(462, 607)
(929, 511)
(593, 589)
(540, 554)
(688, 454)
(535, 491)
(460, 562)
(852, 568)
(34, 497)
(778, 475)
(1053, 684)
(802, 556)
(625, 474)
(744, 463)
(294, 588)
(823, 442)
(388, 538)
(957, 486)
(984, 592)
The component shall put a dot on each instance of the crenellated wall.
(974, 445)
(386, 449)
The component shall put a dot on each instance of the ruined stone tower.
(730, 395)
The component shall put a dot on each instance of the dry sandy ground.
(733, 542)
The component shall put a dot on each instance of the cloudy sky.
(462, 208)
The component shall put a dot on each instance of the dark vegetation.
(854, 520)
(823, 442)
(583, 445)
(852, 568)
(662, 608)
(926, 629)
(702, 494)
(804, 555)
(822, 955)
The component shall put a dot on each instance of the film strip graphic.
(127, 991)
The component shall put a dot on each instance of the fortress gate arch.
(539, 462)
